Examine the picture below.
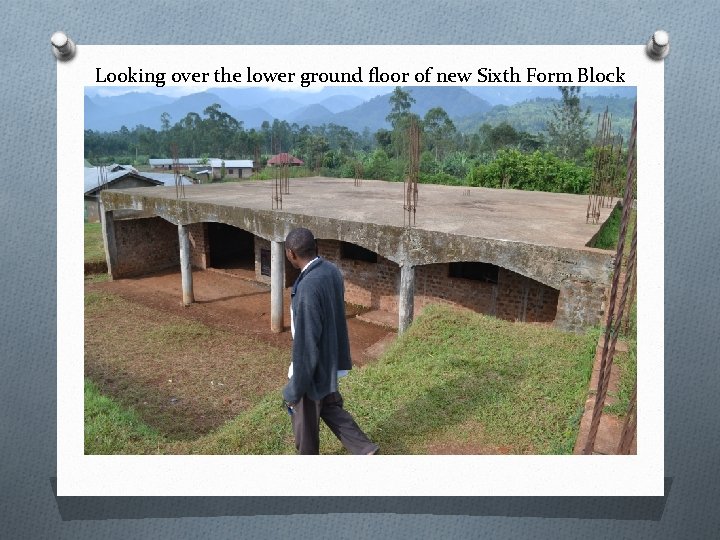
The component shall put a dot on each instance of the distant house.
(206, 173)
(234, 168)
(187, 164)
(282, 159)
(117, 176)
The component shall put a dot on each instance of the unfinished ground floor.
(515, 255)
(371, 281)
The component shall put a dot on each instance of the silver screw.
(62, 46)
(658, 46)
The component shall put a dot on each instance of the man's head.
(300, 247)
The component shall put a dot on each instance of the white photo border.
(90, 475)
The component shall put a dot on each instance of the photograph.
(342, 269)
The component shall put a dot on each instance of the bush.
(347, 170)
(457, 164)
(428, 165)
(379, 167)
(539, 171)
(440, 178)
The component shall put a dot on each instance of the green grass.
(268, 173)
(97, 278)
(524, 384)
(609, 233)
(454, 378)
(94, 250)
(112, 429)
(99, 300)
(627, 364)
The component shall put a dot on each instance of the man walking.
(320, 352)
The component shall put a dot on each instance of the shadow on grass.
(173, 416)
(444, 405)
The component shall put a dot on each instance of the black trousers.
(306, 425)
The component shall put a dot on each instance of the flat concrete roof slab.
(532, 217)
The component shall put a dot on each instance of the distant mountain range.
(354, 107)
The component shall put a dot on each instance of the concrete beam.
(549, 258)
(185, 266)
(277, 284)
(406, 303)
(108, 233)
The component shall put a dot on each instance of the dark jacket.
(321, 345)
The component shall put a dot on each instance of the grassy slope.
(455, 378)
(522, 386)
(608, 234)
(112, 429)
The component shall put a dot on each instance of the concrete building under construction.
(514, 254)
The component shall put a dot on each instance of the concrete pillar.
(108, 234)
(406, 303)
(277, 284)
(185, 266)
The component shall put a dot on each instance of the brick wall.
(199, 245)
(376, 285)
(434, 286)
(368, 284)
(513, 297)
(145, 245)
(520, 298)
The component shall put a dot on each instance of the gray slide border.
(28, 506)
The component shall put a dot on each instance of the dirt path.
(229, 302)
(190, 386)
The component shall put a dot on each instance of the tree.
(567, 129)
(190, 129)
(165, 121)
(400, 102)
(383, 139)
(399, 118)
(219, 129)
(501, 136)
(439, 129)
(317, 147)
